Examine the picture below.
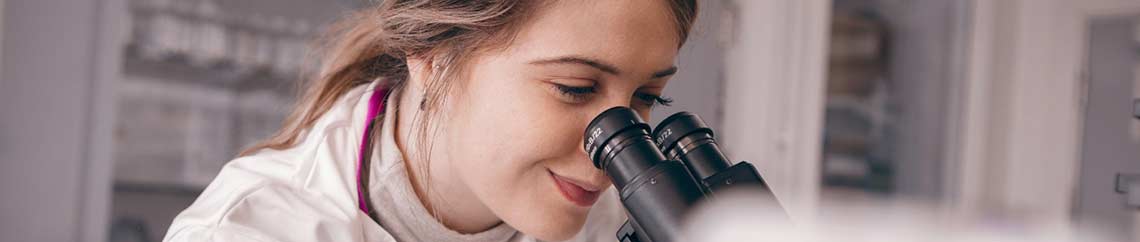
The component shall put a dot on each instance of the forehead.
(634, 34)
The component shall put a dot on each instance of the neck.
(431, 177)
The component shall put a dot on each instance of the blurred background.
(1024, 114)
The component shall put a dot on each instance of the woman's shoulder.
(273, 213)
(245, 204)
(303, 193)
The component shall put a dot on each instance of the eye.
(650, 100)
(575, 94)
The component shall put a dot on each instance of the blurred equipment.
(129, 230)
(858, 120)
(199, 80)
(657, 190)
(1129, 185)
(1136, 108)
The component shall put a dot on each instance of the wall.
(53, 164)
(1018, 113)
(699, 81)
(773, 95)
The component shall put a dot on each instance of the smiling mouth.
(573, 192)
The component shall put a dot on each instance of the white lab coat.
(308, 192)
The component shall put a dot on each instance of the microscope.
(660, 174)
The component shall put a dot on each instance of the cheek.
(512, 128)
(502, 141)
(504, 131)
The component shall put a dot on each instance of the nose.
(595, 175)
(625, 99)
(580, 152)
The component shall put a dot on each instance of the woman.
(451, 121)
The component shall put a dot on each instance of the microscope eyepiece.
(685, 137)
(673, 128)
(613, 127)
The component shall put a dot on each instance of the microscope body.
(660, 179)
(740, 176)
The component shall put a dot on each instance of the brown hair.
(375, 43)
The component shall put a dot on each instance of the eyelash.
(579, 93)
(654, 100)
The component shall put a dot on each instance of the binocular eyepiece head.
(660, 178)
(655, 191)
(684, 137)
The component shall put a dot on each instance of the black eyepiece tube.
(685, 137)
(655, 191)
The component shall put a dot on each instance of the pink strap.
(375, 107)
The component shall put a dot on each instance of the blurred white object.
(749, 217)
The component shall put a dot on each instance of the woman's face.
(514, 128)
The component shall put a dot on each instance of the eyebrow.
(598, 64)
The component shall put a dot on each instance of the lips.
(576, 192)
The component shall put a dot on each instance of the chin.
(556, 232)
(556, 226)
